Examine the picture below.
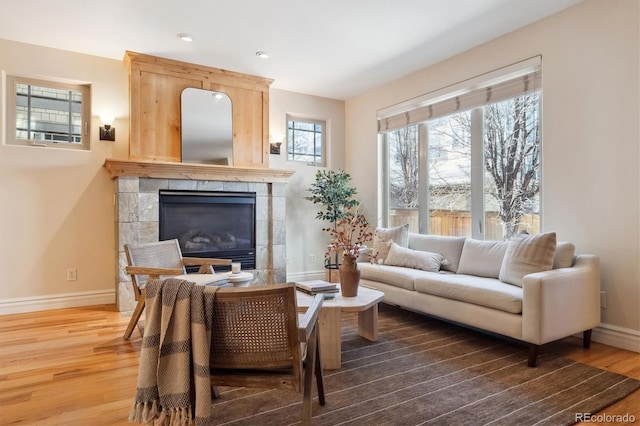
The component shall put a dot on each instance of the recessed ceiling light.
(262, 54)
(185, 37)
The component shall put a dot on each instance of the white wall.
(591, 133)
(304, 232)
(56, 208)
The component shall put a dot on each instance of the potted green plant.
(334, 192)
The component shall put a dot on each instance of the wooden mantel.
(194, 171)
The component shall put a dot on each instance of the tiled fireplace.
(137, 211)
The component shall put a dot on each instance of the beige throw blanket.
(173, 376)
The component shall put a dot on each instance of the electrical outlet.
(312, 258)
(72, 274)
(603, 299)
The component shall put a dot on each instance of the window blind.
(492, 87)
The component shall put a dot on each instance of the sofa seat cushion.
(393, 275)
(488, 292)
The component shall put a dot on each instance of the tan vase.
(349, 277)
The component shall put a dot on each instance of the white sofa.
(545, 306)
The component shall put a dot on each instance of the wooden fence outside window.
(458, 223)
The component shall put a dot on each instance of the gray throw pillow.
(527, 254)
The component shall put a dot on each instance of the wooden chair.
(257, 340)
(152, 260)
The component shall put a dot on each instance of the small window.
(306, 140)
(47, 113)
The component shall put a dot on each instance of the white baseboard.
(619, 337)
(57, 301)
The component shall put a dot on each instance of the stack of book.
(316, 287)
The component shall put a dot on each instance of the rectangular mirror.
(206, 127)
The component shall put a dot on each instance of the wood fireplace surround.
(154, 160)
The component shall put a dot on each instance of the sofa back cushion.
(382, 237)
(482, 258)
(527, 254)
(449, 247)
(564, 255)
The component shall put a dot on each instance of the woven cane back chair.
(155, 260)
(258, 340)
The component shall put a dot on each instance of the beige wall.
(591, 133)
(56, 208)
(304, 232)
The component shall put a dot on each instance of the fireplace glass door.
(211, 224)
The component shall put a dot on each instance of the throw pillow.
(527, 254)
(416, 259)
(449, 247)
(382, 236)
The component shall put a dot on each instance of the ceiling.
(330, 48)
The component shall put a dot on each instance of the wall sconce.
(274, 147)
(107, 133)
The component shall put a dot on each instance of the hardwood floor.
(72, 367)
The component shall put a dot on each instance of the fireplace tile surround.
(137, 212)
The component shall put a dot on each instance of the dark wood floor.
(72, 367)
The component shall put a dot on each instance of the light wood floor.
(72, 367)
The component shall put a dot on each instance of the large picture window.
(468, 165)
(46, 113)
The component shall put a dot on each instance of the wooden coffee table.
(365, 304)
